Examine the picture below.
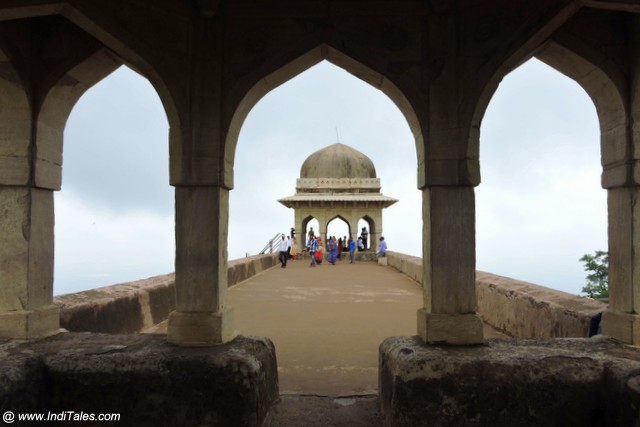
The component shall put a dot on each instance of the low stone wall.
(522, 309)
(518, 308)
(134, 306)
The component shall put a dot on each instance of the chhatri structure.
(339, 182)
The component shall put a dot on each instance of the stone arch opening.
(326, 220)
(70, 53)
(291, 146)
(367, 226)
(122, 213)
(307, 224)
(339, 227)
(605, 85)
(540, 180)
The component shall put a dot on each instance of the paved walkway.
(327, 322)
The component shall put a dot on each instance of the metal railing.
(273, 243)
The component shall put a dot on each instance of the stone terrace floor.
(327, 323)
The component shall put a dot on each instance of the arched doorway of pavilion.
(367, 233)
(338, 228)
(308, 225)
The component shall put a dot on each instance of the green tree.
(598, 278)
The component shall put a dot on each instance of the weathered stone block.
(30, 324)
(144, 379)
(455, 329)
(201, 329)
(559, 382)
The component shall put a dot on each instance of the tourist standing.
(294, 249)
(283, 252)
(332, 247)
(383, 248)
(319, 250)
(365, 235)
(289, 243)
(312, 247)
(340, 247)
(352, 250)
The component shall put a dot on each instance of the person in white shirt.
(283, 252)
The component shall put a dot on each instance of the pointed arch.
(322, 52)
(114, 41)
(610, 106)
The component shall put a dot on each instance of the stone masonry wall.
(134, 306)
(518, 308)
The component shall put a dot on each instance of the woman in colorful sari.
(333, 251)
(319, 251)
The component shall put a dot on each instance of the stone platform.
(551, 382)
(144, 379)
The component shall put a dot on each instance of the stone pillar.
(29, 172)
(301, 235)
(620, 155)
(622, 321)
(376, 231)
(26, 264)
(322, 230)
(449, 313)
(201, 317)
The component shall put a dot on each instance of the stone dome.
(337, 161)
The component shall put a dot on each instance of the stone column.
(26, 263)
(449, 313)
(201, 317)
(301, 235)
(620, 155)
(322, 230)
(622, 321)
(29, 172)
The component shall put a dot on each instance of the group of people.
(334, 250)
(335, 247)
(288, 247)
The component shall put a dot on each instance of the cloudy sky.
(540, 206)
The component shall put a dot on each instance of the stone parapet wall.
(135, 306)
(518, 308)
(522, 309)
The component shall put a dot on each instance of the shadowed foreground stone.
(560, 382)
(146, 380)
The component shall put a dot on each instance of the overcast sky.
(540, 206)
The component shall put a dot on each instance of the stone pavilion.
(339, 182)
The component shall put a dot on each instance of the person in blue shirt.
(383, 248)
(312, 247)
(352, 250)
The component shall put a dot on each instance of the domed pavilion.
(338, 182)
